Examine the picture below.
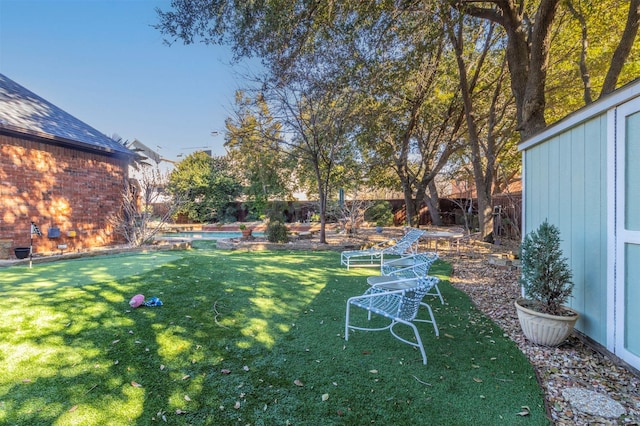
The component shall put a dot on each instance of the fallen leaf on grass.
(26, 380)
(297, 382)
(115, 341)
(525, 411)
(420, 381)
(136, 385)
(186, 398)
(236, 405)
(161, 367)
(74, 408)
(245, 368)
(178, 411)
(477, 380)
(185, 377)
(449, 336)
(325, 396)
(225, 371)
(373, 371)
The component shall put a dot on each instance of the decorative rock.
(5, 248)
(593, 403)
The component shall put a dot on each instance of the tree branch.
(623, 49)
(464, 6)
(584, 72)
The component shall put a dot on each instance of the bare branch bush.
(351, 213)
(510, 211)
(462, 193)
(138, 221)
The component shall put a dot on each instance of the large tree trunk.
(485, 216)
(533, 103)
(483, 176)
(431, 199)
(323, 220)
(623, 49)
(407, 191)
(322, 195)
(410, 207)
(527, 55)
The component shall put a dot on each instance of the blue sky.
(102, 62)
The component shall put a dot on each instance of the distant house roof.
(24, 112)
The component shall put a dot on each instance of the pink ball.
(136, 300)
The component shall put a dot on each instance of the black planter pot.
(22, 252)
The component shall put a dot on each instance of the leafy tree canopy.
(207, 185)
(253, 139)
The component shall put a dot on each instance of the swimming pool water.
(206, 235)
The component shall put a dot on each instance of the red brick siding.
(58, 187)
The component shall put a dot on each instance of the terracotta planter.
(545, 329)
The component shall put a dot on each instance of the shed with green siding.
(583, 175)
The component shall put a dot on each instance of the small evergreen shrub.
(546, 276)
(277, 232)
(230, 213)
(381, 213)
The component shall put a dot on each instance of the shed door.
(627, 286)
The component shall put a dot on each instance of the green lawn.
(243, 338)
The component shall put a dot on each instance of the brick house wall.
(57, 186)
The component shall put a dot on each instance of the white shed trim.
(611, 230)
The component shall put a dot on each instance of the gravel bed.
(573, 364)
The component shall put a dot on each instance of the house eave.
(15, 131)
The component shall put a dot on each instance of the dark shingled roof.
(23, 111)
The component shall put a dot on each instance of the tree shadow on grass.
(242, 338)
(57, 320)
(75, 352)
(475, 375)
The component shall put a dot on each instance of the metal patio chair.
(398, 301)
(404, 246)
(418, 264)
